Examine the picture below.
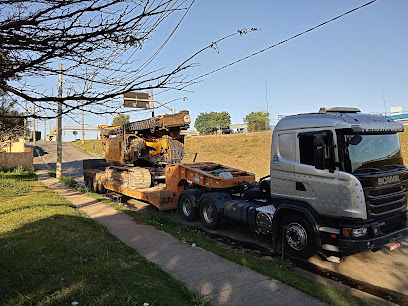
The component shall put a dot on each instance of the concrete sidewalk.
(220, 281)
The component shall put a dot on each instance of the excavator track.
(129, 177)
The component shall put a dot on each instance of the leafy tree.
(211, 122)
(101, 44)
(121, 119)
(9, 117)
(257, 121)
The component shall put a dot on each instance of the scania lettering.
(388, 180)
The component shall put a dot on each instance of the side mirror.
(319, 153)
(355, 140)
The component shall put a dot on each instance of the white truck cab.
(340, 175)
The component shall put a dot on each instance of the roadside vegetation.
(52, 253)
(274, 267)
(94, 146)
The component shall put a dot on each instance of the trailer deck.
(164, 196)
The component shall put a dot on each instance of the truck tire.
(95, 185)
(101, 187)
(210, 208)
(187, 204)
(86, 181)
(297, 236)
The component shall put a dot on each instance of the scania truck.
(337, 184)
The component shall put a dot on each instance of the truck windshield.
(375, 152)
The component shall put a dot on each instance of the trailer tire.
(210, 217)
(297, 236)
(95, 185)
(187, 204)
(86, 181)
(101, 187)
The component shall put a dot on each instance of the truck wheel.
(297, 237)
(86, 181)
(101, 188)
(209, 215)
(188, 211)
(95, 185)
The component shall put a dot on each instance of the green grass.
(52, 173)
(93, 146)
(15, 182)
(51, 253)
(69, 180)
(21, 172)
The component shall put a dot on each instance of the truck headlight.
(359, 232)
(355, 232)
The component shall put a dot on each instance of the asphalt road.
(72, 157)
(384, 268)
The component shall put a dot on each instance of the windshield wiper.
(367, 170)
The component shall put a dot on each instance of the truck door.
(317, 175)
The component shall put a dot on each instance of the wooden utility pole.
(83, 132)
(59, 126)
(25, 120)
(45, 130)
(151, 100)
(35, 136)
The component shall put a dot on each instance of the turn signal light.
(346, 232)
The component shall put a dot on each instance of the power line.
(282, 42)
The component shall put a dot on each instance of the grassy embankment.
(250, 151)
(92, 145)
(51, 253)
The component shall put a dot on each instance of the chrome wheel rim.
(208, 212)
(296, 236)
(187, 207)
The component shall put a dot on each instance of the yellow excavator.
(141, 149)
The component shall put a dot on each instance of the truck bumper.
(355, 245)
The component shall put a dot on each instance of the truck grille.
(385, 201)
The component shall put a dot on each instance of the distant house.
(239, 128)
(403, 118)
(14, 154)
(398, 115)
(190, 133)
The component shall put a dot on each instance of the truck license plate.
(395, 245)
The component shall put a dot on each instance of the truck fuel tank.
(258, 215)
(238, 210)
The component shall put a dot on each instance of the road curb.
(342, 287)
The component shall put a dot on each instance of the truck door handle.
(300, 186)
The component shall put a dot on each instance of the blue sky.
(340, 64)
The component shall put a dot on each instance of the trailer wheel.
(95, 185)
(101, 187)
(297, 237)
(209, 215)
(187, 207)
(88, 181)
